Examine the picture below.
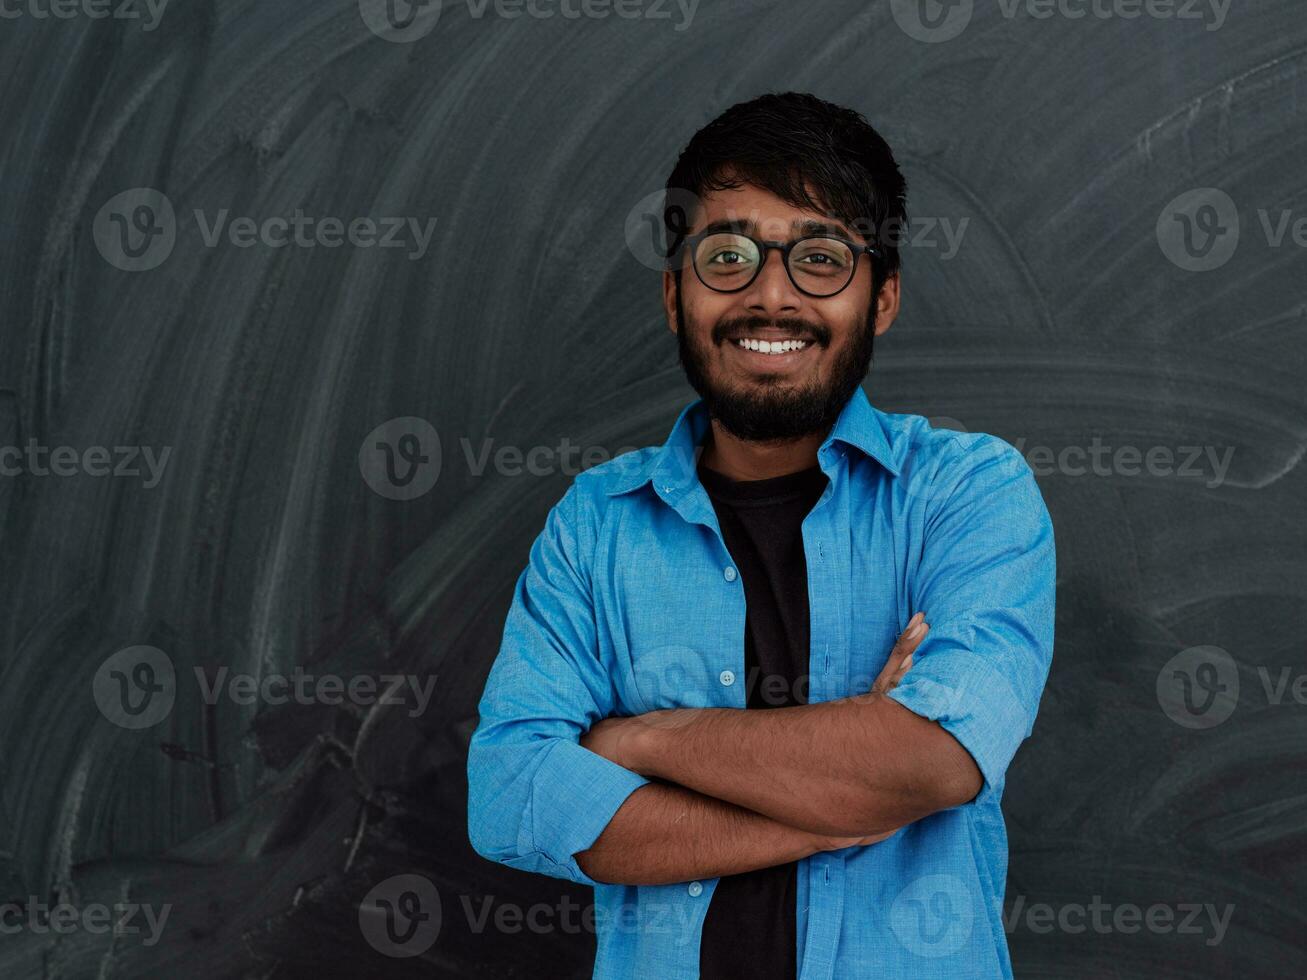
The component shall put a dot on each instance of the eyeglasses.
(727, 261)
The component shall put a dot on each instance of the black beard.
(772, 413)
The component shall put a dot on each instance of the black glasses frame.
(785, 248)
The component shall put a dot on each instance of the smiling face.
(770, 361)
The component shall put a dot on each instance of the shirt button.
(729, 573)
(727, 677)
(695, 889)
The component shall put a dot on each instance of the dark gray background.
(1064, 317)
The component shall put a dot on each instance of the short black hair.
(791, 144)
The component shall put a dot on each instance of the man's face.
(773, 396)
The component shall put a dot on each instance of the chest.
(671, 603)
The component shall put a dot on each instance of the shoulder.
(943, 463)
(598, 489)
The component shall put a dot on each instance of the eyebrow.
(800, 229)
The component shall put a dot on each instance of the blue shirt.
(630, 603)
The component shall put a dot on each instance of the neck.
(740, 459)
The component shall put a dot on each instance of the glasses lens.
(726, 261)
(821, 266)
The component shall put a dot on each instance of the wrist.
(828, 842)
(641, 749)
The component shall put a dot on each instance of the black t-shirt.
(750, 929)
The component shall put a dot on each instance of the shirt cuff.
(574, 796)
(972, 702)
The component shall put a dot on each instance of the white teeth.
(772, 346)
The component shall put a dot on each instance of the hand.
(898, 664)
(610, 738)
(632, 742)
(900, 658)
(826, 842)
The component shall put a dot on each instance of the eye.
(728, 257)
(818, 256)
(824, 257)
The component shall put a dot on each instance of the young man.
(779, 554)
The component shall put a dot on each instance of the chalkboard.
(312, 310)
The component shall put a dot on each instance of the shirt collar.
(672, 467)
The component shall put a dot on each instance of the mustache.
(789, 325)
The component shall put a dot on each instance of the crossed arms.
(757, 788)
(559, 786)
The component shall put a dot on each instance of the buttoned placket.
(693, 505)
(827, 667)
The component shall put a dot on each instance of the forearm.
(664, 833)
(860, 765)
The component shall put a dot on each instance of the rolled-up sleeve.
(535, 796)
(986, 581)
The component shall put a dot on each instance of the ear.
(887, 304)
(669, 300)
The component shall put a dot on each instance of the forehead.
(760, 212)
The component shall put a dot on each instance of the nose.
(772, 292)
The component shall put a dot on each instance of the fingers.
(877, 838)
(904, 667)
(900, 658)
(909, 640)
(839, 843)
(912, 635)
